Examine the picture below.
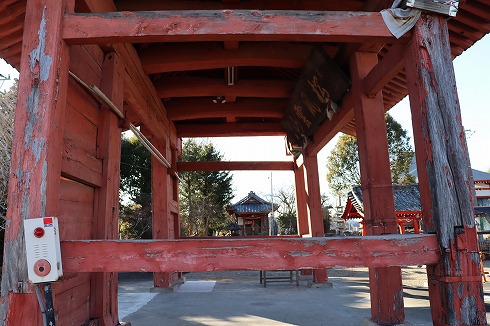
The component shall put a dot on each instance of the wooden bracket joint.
(466, 239)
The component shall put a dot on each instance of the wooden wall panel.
(76, 210)
(79, 148)
(85, 63)
(82, 173)
(72, 295)
(75, 308)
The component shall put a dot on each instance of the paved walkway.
(239, 299)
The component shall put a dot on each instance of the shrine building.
(252, 214)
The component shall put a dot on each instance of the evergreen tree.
(135, 187)
(203, 195)
(343, 162)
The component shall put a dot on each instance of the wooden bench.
(268, 276)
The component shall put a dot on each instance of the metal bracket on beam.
(445, 7)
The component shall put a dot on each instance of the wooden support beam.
(198, 86)
(301, 205)
(34, 187)
(230, 129)
(234, 166)
(445, 182)
(386, 286)
(188, 109)
(391, 64)
(313, 196)
(314, 208)
(188, 56)
(103, 302)
(104, 285)
(329, 128)
(247, 254)
(225, 25)
(162, 221)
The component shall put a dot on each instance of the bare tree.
(8, 101)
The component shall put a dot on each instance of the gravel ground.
(412, 275)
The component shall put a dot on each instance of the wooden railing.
(235, 253)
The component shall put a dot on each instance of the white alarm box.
(42, 240)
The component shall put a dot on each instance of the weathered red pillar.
(443, 167)
(314, 208)
(301, 206)
(379, 208)
(103, 300)
(36, 150)
(162, 219)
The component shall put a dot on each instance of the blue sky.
(473, 82)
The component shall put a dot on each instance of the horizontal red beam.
(238, 129)
(183, 86)
(247, 254)
(225, 25)
(234, 166)
(188, 109)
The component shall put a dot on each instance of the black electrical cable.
(48, 297)
(41, 304)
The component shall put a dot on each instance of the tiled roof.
(407, 198)
(477, 175)
(252, 204)
(480, 175)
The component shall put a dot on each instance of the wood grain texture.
(37, 145)
(301, 205)
(188, 56)
(79, 157)
(76, 210)
(225, 25)
(188, 109)
(313, 197)
(230, 129)
(182, 86)
(103, 286)
(455, 289)
(248, 254)
(386, 288)
(162, 219)
(140, 94)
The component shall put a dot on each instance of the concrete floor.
(247, 302)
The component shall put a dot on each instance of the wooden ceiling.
(212, 86)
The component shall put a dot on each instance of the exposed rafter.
(188, 109)
(225, 25)
(186, 56)
(385, 70)
(234, 4)
(198, 87)
(230, 129)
